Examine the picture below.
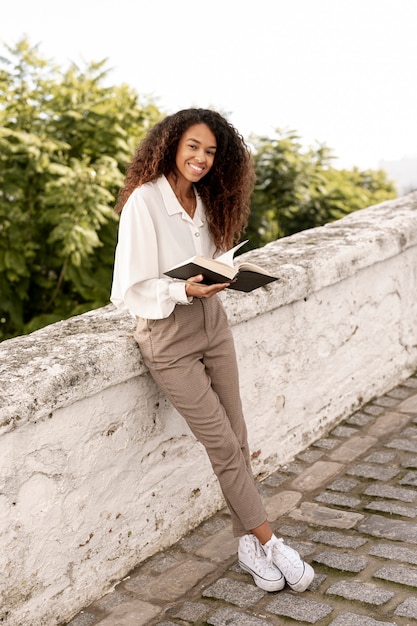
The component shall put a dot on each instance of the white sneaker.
(252, 559)
(297, 573)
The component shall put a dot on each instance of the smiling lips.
(197, 169)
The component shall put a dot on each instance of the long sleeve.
(155, 233)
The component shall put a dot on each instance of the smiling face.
(195, 153)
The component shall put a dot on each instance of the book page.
(227, 257)
(251, 267)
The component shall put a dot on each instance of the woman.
(187, 193)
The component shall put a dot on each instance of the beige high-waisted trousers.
(191, 356)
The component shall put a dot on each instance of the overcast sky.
(339, 72)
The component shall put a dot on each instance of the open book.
(243, 277)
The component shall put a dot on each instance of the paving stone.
(310, 456)
(386, 401)
(190, 542)
(83, 619)
(390, 507)
(338, 540)
(410, 382)
(400, 393)
(381, 457)
(353, 619)
(275, 480)
(134, 612)
(172, 584)
(409, 432)
(110, 600)
(316, 475)
(326, 444)
(230, 617)
(365, 470)
(303, 548)
(362, 592)
(162, 562)
(359, 419)
(409, 479)
(387, 423)
(410, 462)
(299, 609)
(402, 575)
(281, 503)
(409, 405)
(338, 500)
(344, 431)
(403, 444)
(214, 525)
(399, 530)
(342, 561)
(351, 449)
(313, 513)
(372, 409)
(218, 547)
(393, 493)
(235, 592)
(394, 552)
(293, 468)
(292, 531)
(317, 580)
(408, 608)
(192, 611)
(343, 484)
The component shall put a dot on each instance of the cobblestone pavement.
(348, 504)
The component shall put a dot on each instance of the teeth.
(197, 169)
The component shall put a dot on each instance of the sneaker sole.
(305, 580)
(266, 585)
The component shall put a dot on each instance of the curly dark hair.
(227, 187)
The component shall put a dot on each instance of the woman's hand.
(193, 287)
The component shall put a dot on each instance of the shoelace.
(259, 552)
(289, 554)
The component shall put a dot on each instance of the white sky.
(339, 72)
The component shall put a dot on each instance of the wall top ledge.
(70, 360)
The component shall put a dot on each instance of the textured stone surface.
(299, 609)
(368, 564)
(362, 592)
(236, 592)
(99, 473)
(408, 608)
(325, 516)
(402, 575)
(353, 619)
(339, 540)
(342, 561)
(229, 617)
(398, 530)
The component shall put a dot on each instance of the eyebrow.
(197, 141)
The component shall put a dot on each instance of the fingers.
(194, 287)
(195, 279)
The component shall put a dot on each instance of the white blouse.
(156, 233)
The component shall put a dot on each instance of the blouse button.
(197, 234)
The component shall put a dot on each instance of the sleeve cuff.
(177, 293)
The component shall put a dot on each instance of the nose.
(200, 156)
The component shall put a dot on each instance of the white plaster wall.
(98, 472)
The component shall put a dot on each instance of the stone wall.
(98, 472)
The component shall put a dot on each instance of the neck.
(184, 192)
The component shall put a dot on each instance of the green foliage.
(64, 140)
(298, 189)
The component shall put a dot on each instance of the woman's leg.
(174, 349)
